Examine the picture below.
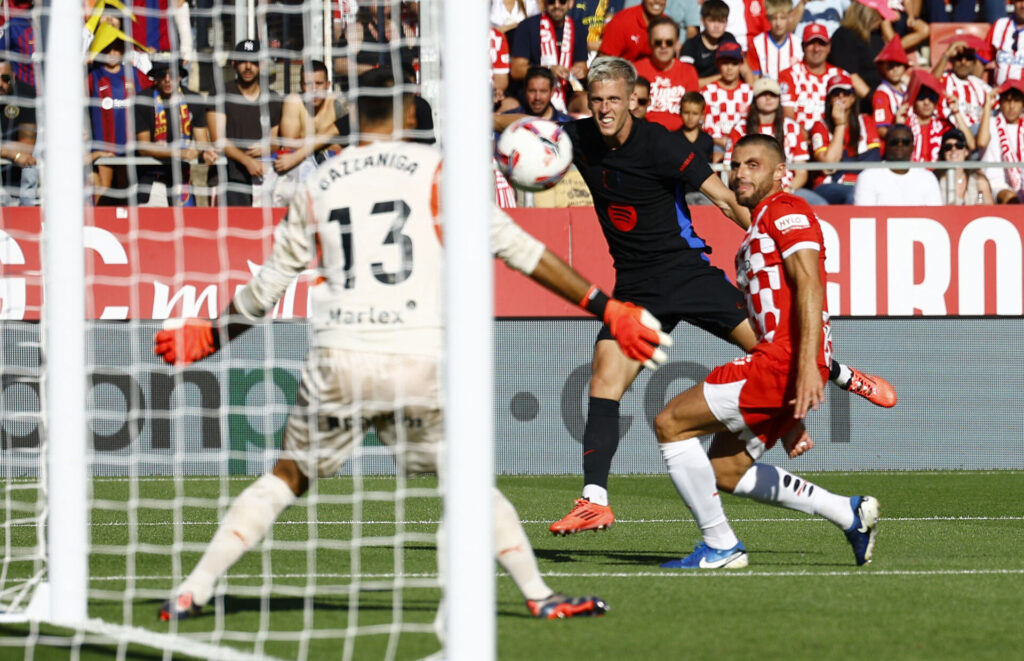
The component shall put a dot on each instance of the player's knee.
(666, 427)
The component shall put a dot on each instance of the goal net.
(156, 196)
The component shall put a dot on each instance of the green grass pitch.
(946, 583)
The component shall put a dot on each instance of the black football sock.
(600, 440)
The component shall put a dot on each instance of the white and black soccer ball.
(534, 153)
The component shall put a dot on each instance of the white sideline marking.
(667, 573)
(434, 522)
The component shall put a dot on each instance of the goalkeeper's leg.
(251, 515)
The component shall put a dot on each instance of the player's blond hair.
(612, 68)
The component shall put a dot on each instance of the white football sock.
(595, 494)
(776, 486)
(247, 521)
(513, 550)
(690, 469)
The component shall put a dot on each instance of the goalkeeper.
(376, 355)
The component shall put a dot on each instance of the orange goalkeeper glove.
(637, 332)
(184, 341)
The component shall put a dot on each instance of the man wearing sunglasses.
(670, 79)
(960, 81)
(902, 187)
(555, 41)
(18, 136)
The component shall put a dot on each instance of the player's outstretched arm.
(725, 199)
(802, 269)
(184, 341)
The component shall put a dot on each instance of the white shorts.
(344, 394)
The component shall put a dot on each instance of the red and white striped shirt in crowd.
(927, 137)
(794, 144)
(504, 194)
(970, 92)
(805, 91)
(667, 90)
(767, 58)
(725, 107)
(499, 54)
(1007, 40)
(820, 139)
(885, 102)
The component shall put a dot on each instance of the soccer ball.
(534, 153)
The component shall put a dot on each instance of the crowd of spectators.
(829, 78)
(832, 80)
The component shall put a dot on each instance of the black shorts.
(696, 293)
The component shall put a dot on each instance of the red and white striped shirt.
(805, 92)
(1007, 40)
(504, 194)
(725, 107)
(885, 102)
(769, 59)
(927, 137)
(794, 144)
(969, 91)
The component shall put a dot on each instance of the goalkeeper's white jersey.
(370, 213)
(366, 216)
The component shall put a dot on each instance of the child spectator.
(1002, 140)
(692, 111)
(805, 84)
(669, 78)
(842, 134)
(960, 82)
(700, 52)
(766, 117)
(729, 98)
(772, 52)
(625, 35)
(892, 63)
(924, 119)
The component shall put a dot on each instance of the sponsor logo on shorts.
(792, 221)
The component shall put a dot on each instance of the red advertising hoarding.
(145, 263)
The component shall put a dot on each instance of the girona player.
(762, 397)
(376, 354)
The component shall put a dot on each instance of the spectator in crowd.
(960, 82)
(907, 25)
(804, 85)
(170, 125)
(669, 78)
(151, 26)
(538, 92)
(842, 134)
(18, 43)
(892, 64)
(552, 40)
(729, 98)
(500, 68)
(593, 15)
(857, 42)
(423, 127)
(17, 140)
(1001, 139)
(692, 110)
(625, 35)
(104, 26)
(244, 127)
(747, 19)
(924, 120)
(112, 85)
(506, 15)
(772, 52)
(828, 13)
(700, 52)
(766, 116)
(1004, 38)
(959, 186)
(903, 187)
(642, 92)
(307, 130)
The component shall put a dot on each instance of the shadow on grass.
(230, 605)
